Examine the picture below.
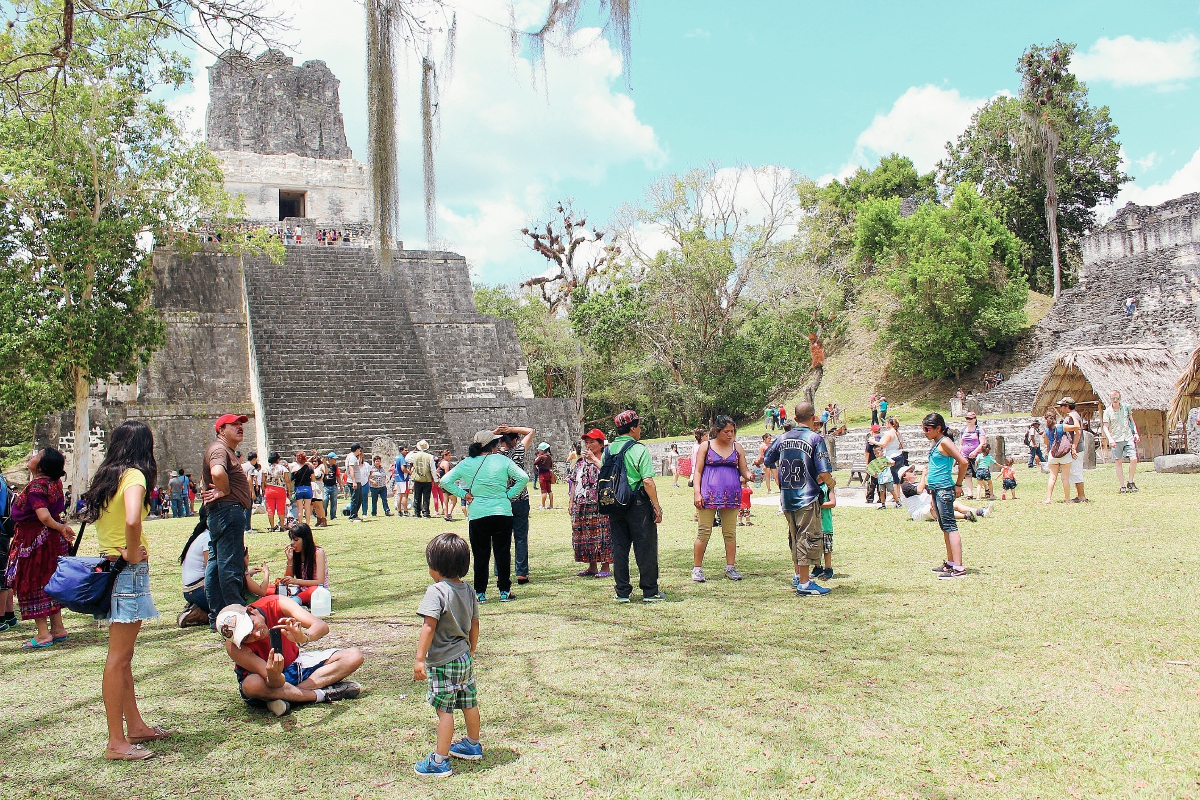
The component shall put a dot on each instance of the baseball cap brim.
(234, 623)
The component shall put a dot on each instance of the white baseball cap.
(234, 623)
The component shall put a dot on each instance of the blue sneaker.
(467, 751)
(431, 769)
(811, 589)
(481, 597)
(506, 596)
(796, 582)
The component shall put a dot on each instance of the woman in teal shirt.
(486, 476)
(945, 486)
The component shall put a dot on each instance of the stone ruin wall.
(1150, 253)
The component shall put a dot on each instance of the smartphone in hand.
(277, 640)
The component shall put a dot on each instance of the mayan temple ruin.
(325, 348)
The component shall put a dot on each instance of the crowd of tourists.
(614, 509)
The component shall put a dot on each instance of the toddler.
(445, 652)
(744, 511)
(828, 501)
(1008, 478)
(983, 471)
(880, 469)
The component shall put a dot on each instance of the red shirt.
(269, 606)
(746, 491)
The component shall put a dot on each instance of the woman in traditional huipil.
(590, 536)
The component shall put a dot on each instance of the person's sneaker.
(938, 570)
(467, 751)
(899, 504)
(481, 597)
(983, 512)
(732, 573)
(971, 517)
(620, 599)
(795, 582)
(698, 574)
(343, 690)
(506, 596)
(811, 589)
(952, 572)
(654, 598)
(1132, 486)
(279, 707)
(522, 579)
(1125, 490)
(432, 769)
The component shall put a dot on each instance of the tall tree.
(88, 189)
(1001, 154)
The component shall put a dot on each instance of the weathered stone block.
(1187, 463)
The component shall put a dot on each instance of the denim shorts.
(943, 498)
(304, 493)
(131, 601)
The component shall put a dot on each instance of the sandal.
(34, 644)
(587, 573)
(59, 639)
(159, 733)
(604, 574)
(134, 753)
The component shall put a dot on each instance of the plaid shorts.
(452, 685)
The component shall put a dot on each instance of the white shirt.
(253, 474)
(358, 468)
(193, 562)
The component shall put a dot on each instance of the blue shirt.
(800, 455)
(401, 465)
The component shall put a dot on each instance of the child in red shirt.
(744, 513)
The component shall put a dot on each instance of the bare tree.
(559, 241)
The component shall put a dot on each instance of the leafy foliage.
(956, 276)
(1087, 171)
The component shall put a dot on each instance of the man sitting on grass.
(277, 680)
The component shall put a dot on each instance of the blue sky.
(816, 87)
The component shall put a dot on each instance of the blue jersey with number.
(800, 455)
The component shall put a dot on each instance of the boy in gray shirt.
(445, 652)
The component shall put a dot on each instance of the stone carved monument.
(327, 348)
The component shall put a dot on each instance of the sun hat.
(1067, 401)
(594, 433)
(174, 474)
(627, 417)
(483, 438)
(228, 419)
(543, 446)
(424, 445)
(234, 623)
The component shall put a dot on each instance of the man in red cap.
(227, 496)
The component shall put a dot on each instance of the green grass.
(1046, 673)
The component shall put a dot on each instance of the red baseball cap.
(595, 433)
(228, 419)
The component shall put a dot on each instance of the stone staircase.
(338, 358)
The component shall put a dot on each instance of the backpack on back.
(612, 487)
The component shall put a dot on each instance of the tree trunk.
(1052, 209)
(549, 383)
(79, 470)
(810, 391)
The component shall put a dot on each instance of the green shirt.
(638, 464)
(826, 513)
(487, 478)
(1118, 422)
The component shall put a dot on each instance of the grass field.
(1047, 673)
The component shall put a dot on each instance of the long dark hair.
(304, 563)
(476, 449)
(131, 446)
(201, 527)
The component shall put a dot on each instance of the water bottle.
(321, 601)
(280, 590)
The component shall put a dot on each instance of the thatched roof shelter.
(1145, 377)
(1187, 391)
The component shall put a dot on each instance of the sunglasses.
(929, 427)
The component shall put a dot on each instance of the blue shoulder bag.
(84, 585)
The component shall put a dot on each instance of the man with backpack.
(627, 494)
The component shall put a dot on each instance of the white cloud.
(506, 146)
(1126, 61)
(1148, 163)
(918, 125)
(1184, 181)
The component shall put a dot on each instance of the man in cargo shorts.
(802, 459)
(1123, 438)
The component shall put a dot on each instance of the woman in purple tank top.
(720, 472)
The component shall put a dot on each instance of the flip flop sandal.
(585, 574)
(34, 644)
(134, 753)
(159, 733)
(604, 574)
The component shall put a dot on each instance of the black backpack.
(612, 487)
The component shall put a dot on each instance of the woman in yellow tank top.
(116, 503)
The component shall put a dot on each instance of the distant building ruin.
(327, 348)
